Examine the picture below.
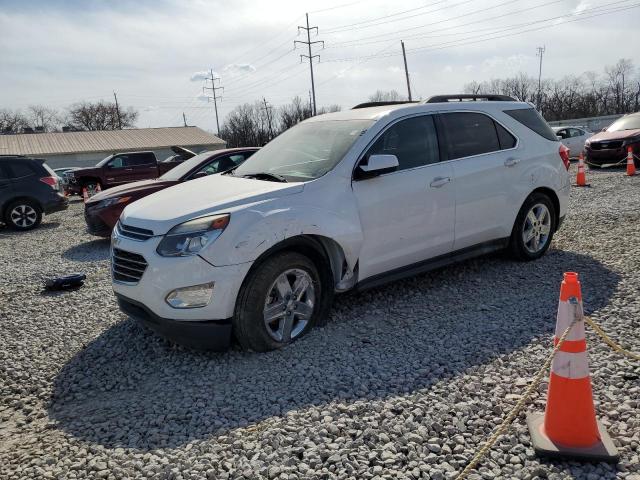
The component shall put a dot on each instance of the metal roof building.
(82, 149)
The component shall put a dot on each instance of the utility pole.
(267, 108)
(118, 111)
(184, 119)
(308, 43)
(540, 53)
(406, 70)
(215, 97)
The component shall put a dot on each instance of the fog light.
(191, 297)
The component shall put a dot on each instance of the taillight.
(51, 181)
(564, 155)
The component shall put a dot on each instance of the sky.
(156, 54)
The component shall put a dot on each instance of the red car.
(610, 146)
(101, 212)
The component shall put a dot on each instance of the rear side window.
(141, 159)
(413, 141)
(506, 139)
(531, 119)
(469, 134)
(21, 169)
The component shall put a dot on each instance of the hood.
(143, 186)
(78, 172)
(619, 135)
(218, 193)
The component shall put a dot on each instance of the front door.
(406, 216)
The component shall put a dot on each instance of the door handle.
(510, 162)
(128, 169)
(440, 181)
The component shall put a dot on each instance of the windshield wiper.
(266, 176)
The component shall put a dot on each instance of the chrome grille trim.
(127, 267)
(134, 233)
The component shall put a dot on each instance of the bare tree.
(101, 116)
(12, 121)
(43, 119)
(618, 76)
(386, 96)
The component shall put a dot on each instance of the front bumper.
(606, 156)
(201, 335)
(101, 221)
(164, 274)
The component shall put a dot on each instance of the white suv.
(341, 201)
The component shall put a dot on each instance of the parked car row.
(341, 201)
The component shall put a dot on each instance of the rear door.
(6, 188)
(142, 166)
(407, 216)
(485, 165)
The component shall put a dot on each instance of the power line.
(456, 43)
(308, 43)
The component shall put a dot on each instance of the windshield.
(177, 172)
(630, 122)
(306, 151)
(104, 161)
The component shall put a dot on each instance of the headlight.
(113, 201)
(630, 141)
(190, 237)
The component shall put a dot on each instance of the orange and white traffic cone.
(85, 194)
(98, 189)
(581, 179)
(569, 428)
(631, 167)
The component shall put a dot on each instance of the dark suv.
(28, 188)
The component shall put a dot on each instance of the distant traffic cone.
(581, 179)
(631, 166)
(569, 427)
(85, 194)
(98, 189)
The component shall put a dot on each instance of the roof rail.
(381, 104)
(461, 97)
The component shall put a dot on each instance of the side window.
(469, 134)
(414, 141)
(20, 169)
(237, 159)
(562, 133)
(139, 159)
(506, 139)
(574, 132)
(117, 162)
(220, 164)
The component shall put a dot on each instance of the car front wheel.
(281, 300)
(534, 228)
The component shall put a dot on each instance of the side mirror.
(604, 129)
(376, 165)
(199, 174)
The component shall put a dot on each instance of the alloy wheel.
(23, 216)
(289, 305)
(537, 228)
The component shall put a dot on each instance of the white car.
(341, 201)
(574, 138)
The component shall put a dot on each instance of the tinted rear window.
(506, 139)
(21, 169)
(469, 134)
(531, 119)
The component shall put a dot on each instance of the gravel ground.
(405, 381)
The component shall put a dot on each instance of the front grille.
(126, 266)
(94, 223)
(606, 145)
(135, 233)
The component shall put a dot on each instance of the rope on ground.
(519, 406)
(608, 340)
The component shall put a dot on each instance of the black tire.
(248, 321)
(23, 215)
(517, 246)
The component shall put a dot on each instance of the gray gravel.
(404, 382)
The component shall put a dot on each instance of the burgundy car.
(610, 146)
(101, 212)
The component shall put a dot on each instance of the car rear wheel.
(534, 228)
(281, 300)
(23, 215)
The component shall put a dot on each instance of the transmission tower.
(308, 43)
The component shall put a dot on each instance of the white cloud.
(202, 97)
(582, 6)
(469, 68)
(234, 68)
(447, 69)
(499, 66)
(200, 76)
(394, 69)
